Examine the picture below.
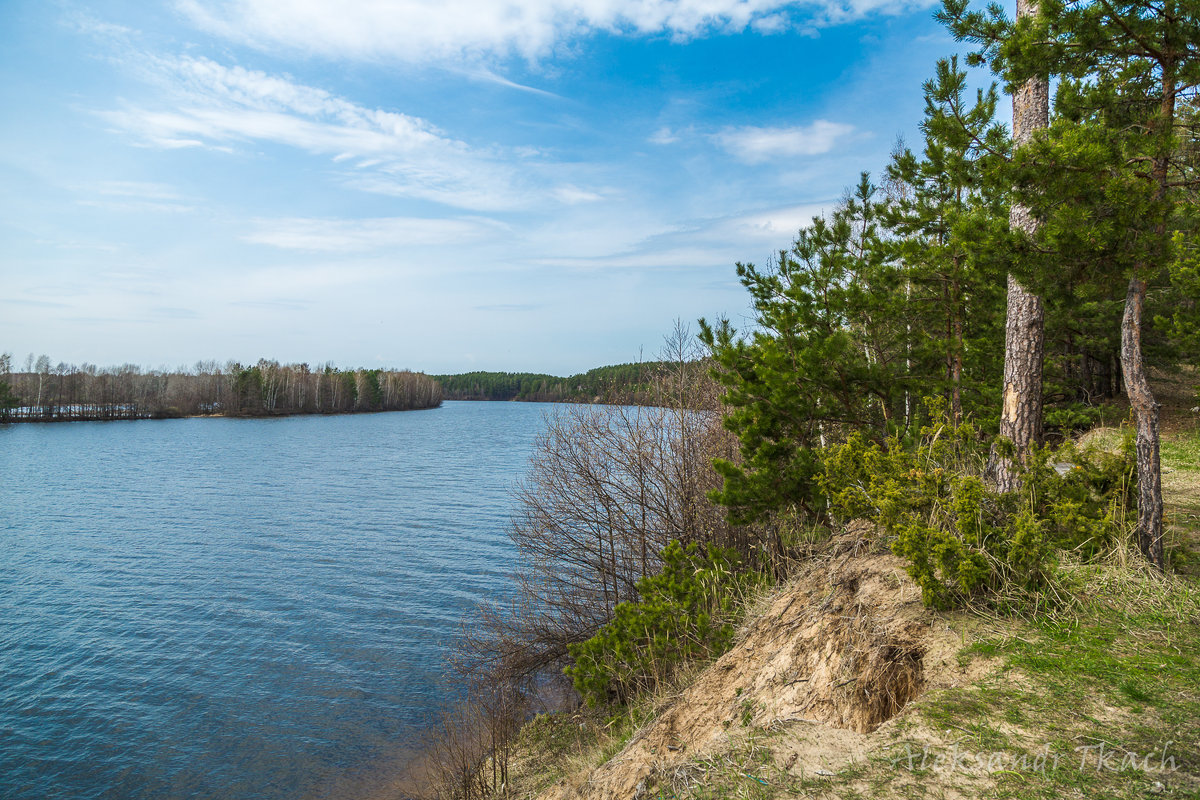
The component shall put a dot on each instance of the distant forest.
(46, 392)
(619, 383)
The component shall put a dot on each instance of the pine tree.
(1116, 150)
(889, 300)
(1024, 338)
(827, 354)
(947, 234)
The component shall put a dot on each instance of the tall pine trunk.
(1024, 328)
(956, 409)
(1133, 362)
(1145, 415)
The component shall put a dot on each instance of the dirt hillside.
(839, 652)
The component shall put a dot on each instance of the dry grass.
(1115, 662)
(1120, 668)
(843, 647)
(1181, 496)
(1180, 456)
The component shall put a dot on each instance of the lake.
(235, 608)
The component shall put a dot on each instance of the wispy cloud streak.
(216, 106)
(757, 145)
(453, 30)
(358, 235)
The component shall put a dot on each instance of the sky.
(440, 185)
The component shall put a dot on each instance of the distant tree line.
(619, 383)
(47, 392)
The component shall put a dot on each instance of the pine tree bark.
(1145, 414)
(1024, 328)
(1133, 363)
(956, 409)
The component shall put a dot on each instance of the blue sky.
(444, 185)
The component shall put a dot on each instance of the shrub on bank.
(685, 613)
(961, 537)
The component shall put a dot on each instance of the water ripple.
(241, 608)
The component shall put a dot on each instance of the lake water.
(219, 608)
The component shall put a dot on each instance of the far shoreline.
(161, 417)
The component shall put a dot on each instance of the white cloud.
(227, 103)
(356, 235)
(488, 76)
(142, 190)
(704, 242)
(573, 195)
(450, 30)
(664, 135)
(756, 145)
(89, 25)
(772, 23)
(132, 196)
(212, 105)
(778, 226)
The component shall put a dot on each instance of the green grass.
(1081, 694)
(1116, 673)
(1121, 674)
(1128, 681)
(1180, 458)
(1181, 494)
(1182, 450)
(556, 744)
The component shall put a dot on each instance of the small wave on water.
(213, 608)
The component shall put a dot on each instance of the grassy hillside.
(1097, 696)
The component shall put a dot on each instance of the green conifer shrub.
(685, 613)
(962, 538)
